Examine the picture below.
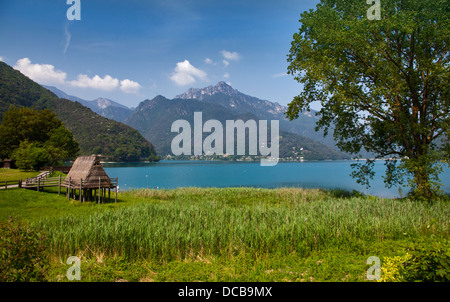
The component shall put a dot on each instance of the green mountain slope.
(94, 133)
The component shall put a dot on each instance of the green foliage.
(154, 158)
(22, 253)
(425, 262)
(382, 84)
(429, 263)
(61, 144)
(392, 269)
(35, 138)
(89, 129)
(29, 156)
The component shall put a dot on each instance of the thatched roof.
(88, 170)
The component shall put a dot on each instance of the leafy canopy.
(383, 84)
(35, 138)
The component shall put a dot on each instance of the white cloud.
(1, 59)
(226, 63)
(280, 75)
(226, 75)
(129, 86)
(41, 73)
(47, 75)
(67, 37)
(209, 61)
(230, 56)
(107, 83)
(185, 74)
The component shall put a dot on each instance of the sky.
(132, 50)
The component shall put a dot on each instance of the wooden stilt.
(99, 188)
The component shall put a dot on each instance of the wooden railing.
(11, 184)
(42, 182)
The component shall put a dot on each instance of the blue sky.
(129, 51)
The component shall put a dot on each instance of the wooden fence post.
(81, 188)
(39, 181)
(68, 191)
(59, 185)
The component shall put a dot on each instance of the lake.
(317, 174)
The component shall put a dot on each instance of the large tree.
(383, 84)
(35, 137)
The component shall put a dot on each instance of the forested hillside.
(95, 134)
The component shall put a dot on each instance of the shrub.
(392, 269)
(429, 263)
(22, 253)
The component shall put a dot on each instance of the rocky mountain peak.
(200, 93)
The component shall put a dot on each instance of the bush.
(421, 263)
(393, 269)
(22, 253)
(429, 263)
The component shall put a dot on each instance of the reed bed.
(178, 224)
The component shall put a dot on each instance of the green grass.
(15, 174)
(231, 234)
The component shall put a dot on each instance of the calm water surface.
(320, 174)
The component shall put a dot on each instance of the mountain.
(94, 133)
(154, 118)
(102, 106)
(236, 101)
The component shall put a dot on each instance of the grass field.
(14, 174)
(231, 234)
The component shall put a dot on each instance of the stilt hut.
(88, 177)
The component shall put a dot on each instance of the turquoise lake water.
(318, 174)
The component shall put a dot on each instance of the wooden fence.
(10, 184)
(39, 183)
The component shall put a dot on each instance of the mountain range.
(102, 106)
(153, 118)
